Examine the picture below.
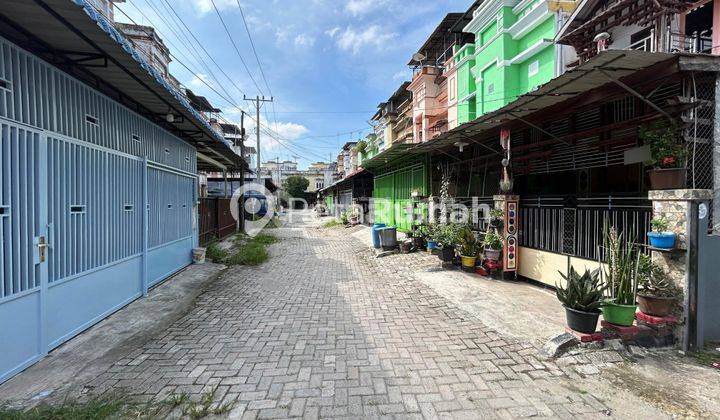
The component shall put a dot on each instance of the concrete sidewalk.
(89, 354)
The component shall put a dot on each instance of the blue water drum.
(376, 234)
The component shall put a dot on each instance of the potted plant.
(582, 298)
(497, 218)
(657, 294)
(447, 237)
(468, 248)
(420, 234)
(660, 237)
(667, 156)
(493, 245)
(622, 261)
(431, 238)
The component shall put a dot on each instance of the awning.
(597, 72)
(387, 156)
(74, 36)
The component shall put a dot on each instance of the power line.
(257, 58)
(237, 50)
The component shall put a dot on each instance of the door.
(23, 247)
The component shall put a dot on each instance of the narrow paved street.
(326, 329)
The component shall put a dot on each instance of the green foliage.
(582, 293)
(497, 214)
(665, 150)
(447, 235)
(344, 218)
(469, 246)
(252, 251)
(493, 241)
(331, 223)
(98, 408)
(214, 253)
(653, 281)
(296, 185)
(622, 259)
(660, 224)
(423, 231)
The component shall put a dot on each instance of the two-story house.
(513, 53)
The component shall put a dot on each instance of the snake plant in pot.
(657, 294)
(661, 237)
(582, 298)
(622, 259)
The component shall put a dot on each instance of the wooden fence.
(216, 221)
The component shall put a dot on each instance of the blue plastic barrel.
(376, 234)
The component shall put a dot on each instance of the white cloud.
(304, 40)
(332, 32)
(199, 82)
(402, 75)
(353, 40)
(205, 6)
(271, 133)
(363, 7)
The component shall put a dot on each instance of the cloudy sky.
(328, 63)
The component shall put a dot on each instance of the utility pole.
(258, 103)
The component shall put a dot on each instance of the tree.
(296, 185)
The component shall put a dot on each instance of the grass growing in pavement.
(72, 410)
(118, 408)
(331, 223)
(245, 250)
(214, 253)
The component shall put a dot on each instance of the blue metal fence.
(96, 205)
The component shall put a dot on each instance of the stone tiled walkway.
(324, 329)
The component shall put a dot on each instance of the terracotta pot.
(667, 179)
(656, 306)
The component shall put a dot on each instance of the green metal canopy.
(394, 152)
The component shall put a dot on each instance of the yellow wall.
(543, 266)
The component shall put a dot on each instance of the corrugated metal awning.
(60, 31)
(591, 75)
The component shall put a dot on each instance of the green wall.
(485, 68)
(392, 194)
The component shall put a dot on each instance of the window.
(533, 68)
(77, 209)
(453, 88)
(128, 207)
(91, 119)
(5, 84)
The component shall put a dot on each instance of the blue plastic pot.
(431, 245)
(376, 234)
(662, 240)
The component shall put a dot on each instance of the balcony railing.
(673, 42)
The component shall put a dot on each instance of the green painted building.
(513, 53)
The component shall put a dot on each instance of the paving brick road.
(324, 329)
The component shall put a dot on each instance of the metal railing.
(574, 226)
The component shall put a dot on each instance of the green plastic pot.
(617, 314)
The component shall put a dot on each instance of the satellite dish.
(418, 57)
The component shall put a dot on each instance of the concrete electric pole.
(258, 103)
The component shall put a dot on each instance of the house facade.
(98, 188)
(513, 53)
